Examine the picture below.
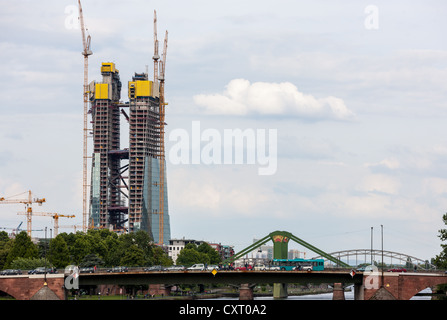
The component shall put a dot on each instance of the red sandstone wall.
(24, 288)
(404, 287)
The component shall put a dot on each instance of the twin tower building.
(128, 186)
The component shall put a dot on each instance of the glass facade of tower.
(155, 200)
(95, 188)
(150, 218)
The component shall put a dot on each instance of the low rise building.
(177, 245)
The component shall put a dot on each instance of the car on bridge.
(9, 272)
(87, 270)
(368, 268)
(397, 270)
(259, 267)
(176, 268)
(244, 268)
(42, 270)
(211, 267)
(155, 268)
(272, 268)
(197, 267)
(118, 269)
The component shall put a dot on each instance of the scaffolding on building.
(107, 209)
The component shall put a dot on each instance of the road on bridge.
(226, 277)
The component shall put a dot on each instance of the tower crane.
(86, 52)
(159, 66)
(55, 216)
(29, 210)
(14, 230)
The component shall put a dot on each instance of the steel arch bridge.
(366, 254)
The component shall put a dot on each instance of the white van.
(259, 267)
(197, 267)
(303, 267)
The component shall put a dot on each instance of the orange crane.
(86, 52)
(55, 216)
(160, 65)
(29, 210)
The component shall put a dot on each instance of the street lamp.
(45, 256)
(381, 226)
(372, 245)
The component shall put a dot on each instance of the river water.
(349, 295)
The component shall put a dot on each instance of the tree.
(4, 236)
(135, 248)
(22, 247)
(192, 254)
(143, 241)
(5, 247)
(441, 260)
(103, 243)
(28, 263)
(58, 253)
(133, 257)
(212, 253)
(159, 257)
(79, 249)
(91, 260)
(112, 258)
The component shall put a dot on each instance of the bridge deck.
(232, 277)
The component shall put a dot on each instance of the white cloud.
(434, 186)
(380, 183)
(389, 163)
(266, 98)
(205, 189)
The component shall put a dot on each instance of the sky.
(346, 101)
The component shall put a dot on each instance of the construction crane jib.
(55, 216)
(28, 205)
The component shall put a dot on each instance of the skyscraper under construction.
(129, 186)
(127, 196)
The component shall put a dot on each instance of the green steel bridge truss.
(281, 240)
(368, 255)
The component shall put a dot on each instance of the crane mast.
(162, 141)
(159, 78)
(86, 52)
(156, 56)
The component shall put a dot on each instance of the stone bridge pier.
(396, 286)
(34, 287)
